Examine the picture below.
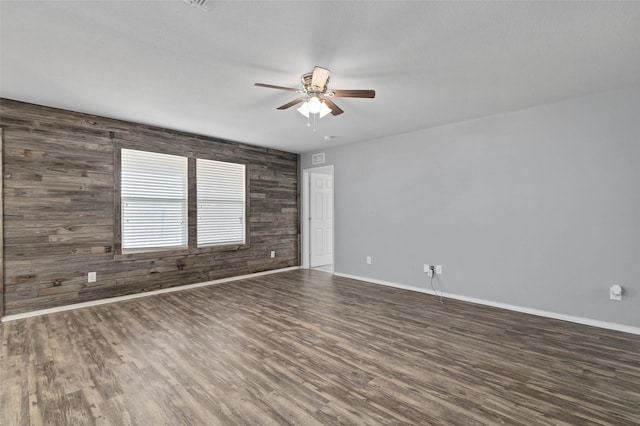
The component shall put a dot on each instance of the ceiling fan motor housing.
(309, 88)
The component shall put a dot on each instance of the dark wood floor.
(306, 348)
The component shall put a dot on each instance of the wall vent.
(317, 158)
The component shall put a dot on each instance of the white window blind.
(221, 202)
(154, 200)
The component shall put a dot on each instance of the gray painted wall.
(538, 208)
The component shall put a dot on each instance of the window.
(221, 202)
(154, 201)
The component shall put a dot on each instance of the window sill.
(177, 252)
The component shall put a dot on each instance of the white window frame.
(153, 185)
(221, 195)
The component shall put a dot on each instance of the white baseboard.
(538, 312)
(138, 295)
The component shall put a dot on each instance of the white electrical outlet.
(428, 270)
(615, 292)
(368, 260)
(438, 269)
(273, 253)
(91, 277)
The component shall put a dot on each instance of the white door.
(321, 219)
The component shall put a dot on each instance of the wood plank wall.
(1, 230)
(59, 209)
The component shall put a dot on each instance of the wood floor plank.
(305, 348)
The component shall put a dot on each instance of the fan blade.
(292, 103)
(320, 78)
(271, 86)
(354, 93)
(335, 110)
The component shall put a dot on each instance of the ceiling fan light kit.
(313, 105)
(316, 96)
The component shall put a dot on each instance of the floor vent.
(317, 158)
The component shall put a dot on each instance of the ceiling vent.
(317, 158)
(197, 3)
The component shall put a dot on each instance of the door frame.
(305, 228)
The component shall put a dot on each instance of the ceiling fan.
(316, 99)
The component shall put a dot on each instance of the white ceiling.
(170, 64)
